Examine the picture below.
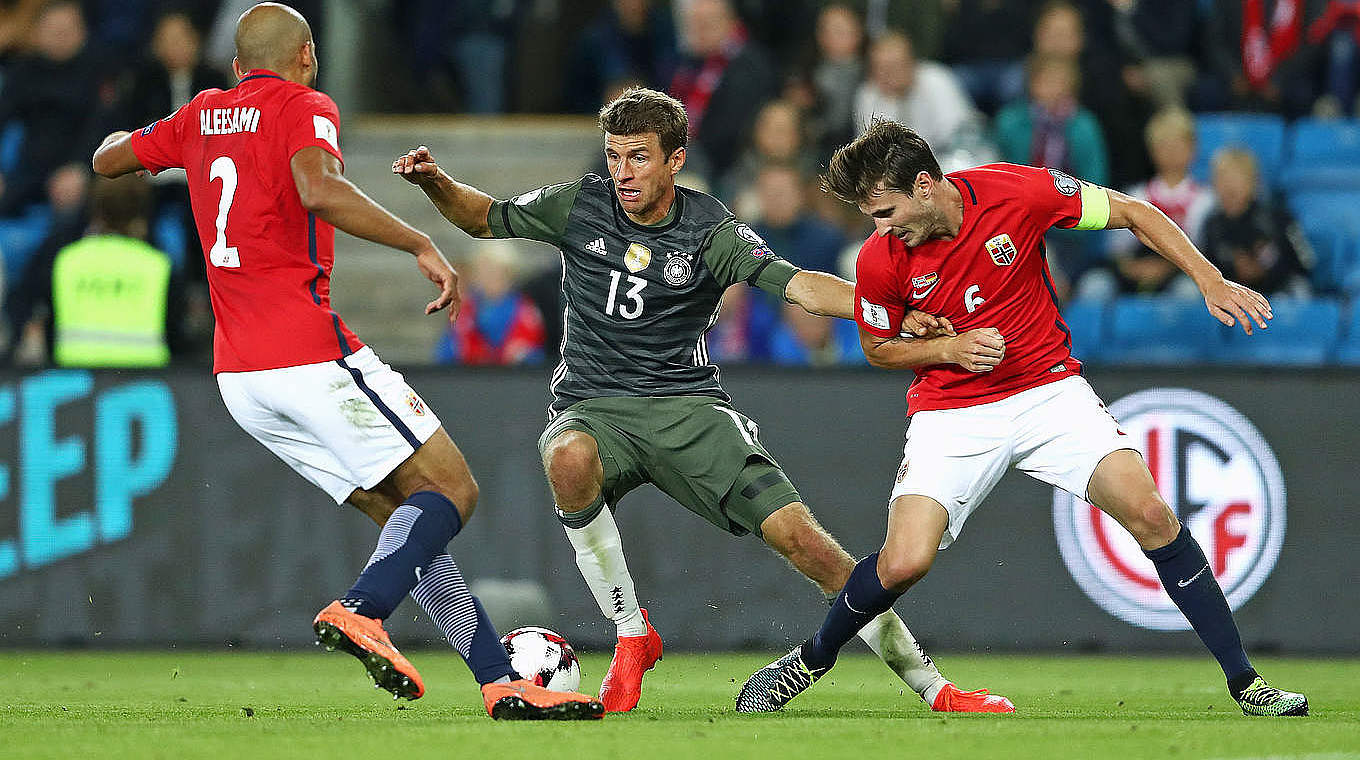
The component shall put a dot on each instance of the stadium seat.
(1324, 142)
(1152, 330)
(1304, 332)
(1348, 352)
(1314, 178)
(1086, 319)
(1331, 223)
(11, 144)
(1263, 134)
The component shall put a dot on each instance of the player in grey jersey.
(636, 400)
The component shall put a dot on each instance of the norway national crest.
(1001, 249)
(678, 269)
(637, 257)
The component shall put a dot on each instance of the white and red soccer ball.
(543, 657)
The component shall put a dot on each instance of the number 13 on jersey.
(632, 309)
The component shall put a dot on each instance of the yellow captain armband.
(1095, 208)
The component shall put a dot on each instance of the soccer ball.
(543, 657)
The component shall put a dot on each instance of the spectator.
(786, 224)
(1134, 268)
(835, 76)
(1051, 128)
(807, 340)
(497, 324)
(722, 84)
(1159, 39)
(1336, 33)
(923, 21)
(168, 79)
(1250, 239)
(111, 291)
(777, 137)
(54, 96)
(992, 72)
(1256, 57)
(925, 96)
(28, 304)
(1061, 31)
(631, 39)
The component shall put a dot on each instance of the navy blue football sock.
(862, 600)
(1192, 586)
(416, 532)
(445, 597)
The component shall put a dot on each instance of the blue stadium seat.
(1331, 222)
(1316, 178)
(1086, 319)
(1152, 330)
(1318, 142)
(1348, 352)
(1304, 332)
(1263, 134)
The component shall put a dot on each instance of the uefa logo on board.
(1221, 478)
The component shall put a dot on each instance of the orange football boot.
(633, 656)
(523, 700)
(364, 637)
(950, 699)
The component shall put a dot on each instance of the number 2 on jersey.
(221, 254)
(632, 310)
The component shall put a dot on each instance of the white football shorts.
(342, 424)
(1056, 433)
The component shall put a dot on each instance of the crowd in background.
(1110, 91)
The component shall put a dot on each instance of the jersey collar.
(672, 217)
(259, 74)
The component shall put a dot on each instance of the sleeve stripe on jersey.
(1095, 208)
(505, 219)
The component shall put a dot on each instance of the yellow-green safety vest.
(108, 303)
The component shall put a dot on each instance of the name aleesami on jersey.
(228, 121)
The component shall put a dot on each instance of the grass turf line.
(305, 704)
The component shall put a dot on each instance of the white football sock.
(599, 555)
(888, 636)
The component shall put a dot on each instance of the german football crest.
(637, 257)
(1001, 249)
(1219, 476)
(678, 269)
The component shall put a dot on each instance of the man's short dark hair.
(640, 110)
(118, 204)
(887, 152)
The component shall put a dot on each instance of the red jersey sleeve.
(879, 305)
(312, 119)
(160, 144)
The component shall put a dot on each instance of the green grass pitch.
(187, 704)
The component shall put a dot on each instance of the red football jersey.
(268, 259)
(992, 274)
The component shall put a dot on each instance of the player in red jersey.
(1000, 388)
(267, 189)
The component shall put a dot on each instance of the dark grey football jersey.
(639, 298)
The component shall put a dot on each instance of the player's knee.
(1153, 523)
(572, 463)
(897, 571)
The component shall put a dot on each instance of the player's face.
(644, 177)
(913, 219)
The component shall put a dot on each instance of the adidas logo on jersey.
(596, 246)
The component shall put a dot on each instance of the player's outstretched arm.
(326, 192)
(463, 205)
(979, 350)
(1229, 302)
(821, 293)
(114, 157)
